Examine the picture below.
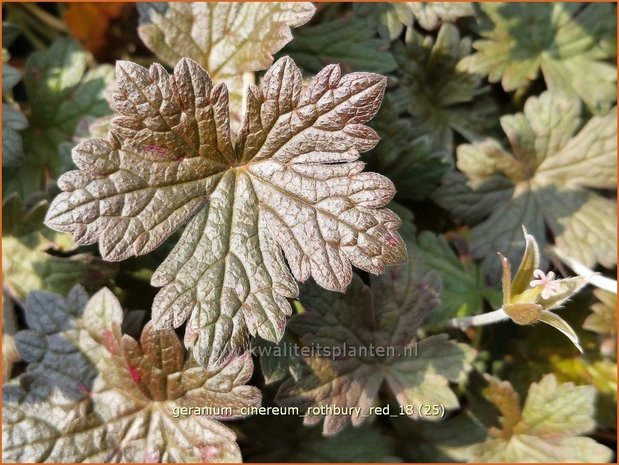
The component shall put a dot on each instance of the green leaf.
(603, 320)
(410, 161)
(389, 19)
(291, 182)
(346, 41)
(367, 336)
(61, 92)
(548, 427)
(284, 439)
(30, 261)
(277, 361)
(445, 441)
(229, 40)
(441, 97)
(464, 287)
(566, 41)
(545, 182)
(91, 395)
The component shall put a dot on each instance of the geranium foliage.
(339, 225)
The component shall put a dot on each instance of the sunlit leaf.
(368, 336)
(548, 428)
(546, 181)
(31, 260)
(291, 182)
(565, 41)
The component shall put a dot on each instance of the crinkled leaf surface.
(464, 289)
(30, 263)
(284, 439)
(350, 42)
(61, 91)
(13, 120)
(603, 320)
(548, 428)
(91, 394)
(385, 314)
(566, 41)
(411, 161)
(227, 39)
(291, 182)
(440, 95)
(545, 181)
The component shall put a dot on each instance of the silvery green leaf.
(10, 354)
(548, 428)
(603, 320)
(565, 41)
(91, 394)
(227, 39)
(291, 182)
(546, 181)
(346, 372)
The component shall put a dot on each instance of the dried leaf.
(545, 182)
(89, 22)
(290, 181)
(227, 39)
(566, 41)
(92, 395)
(547, 429)
(366, 336)
(440, 95)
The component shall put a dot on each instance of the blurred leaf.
(89, 22)
(13, 119)
(548, 427)
(342, 332)
(567, 41)
(411, 162)
(440, 95)
(546, 181)
(347, 41)
(291, 183)
(284, 439)
(61, 92)
(603, 320)
(445, 441)
(10, 355)
(91, 394)
(229, 40)
(29, 261)
(389, 19)
(430, 15)
(464, 287)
